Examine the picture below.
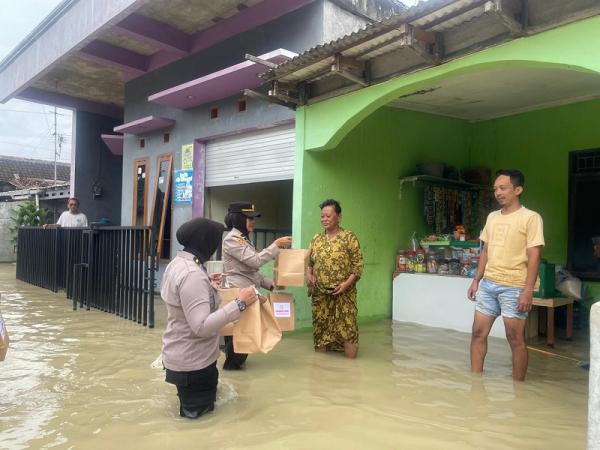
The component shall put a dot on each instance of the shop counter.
(436, 301)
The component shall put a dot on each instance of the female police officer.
(191, 338)
(241, 262)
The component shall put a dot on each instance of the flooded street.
(84, 380)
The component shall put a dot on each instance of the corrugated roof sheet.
(374, 36)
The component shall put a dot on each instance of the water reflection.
(86, 379)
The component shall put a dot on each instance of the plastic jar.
(465, 265)
(432, 265)
(421, 265)
(411, 260)
(401, 262)
(443, 267)
(453, 267)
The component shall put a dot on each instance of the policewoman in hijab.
(191, 338)
(241, 262)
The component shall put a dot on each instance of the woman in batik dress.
(335, 266)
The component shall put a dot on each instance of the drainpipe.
(37, 200)
(594, 395)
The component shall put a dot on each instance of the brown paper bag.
(226, 296)
(3, 339)
(290, 266)
(257, 330)
(282, 304)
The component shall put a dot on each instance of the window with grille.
(583, 255)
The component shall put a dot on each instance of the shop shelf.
(464, 244)
(440, 181)
(435, 243)
(458, 244)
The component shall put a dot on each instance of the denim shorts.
(493, 299)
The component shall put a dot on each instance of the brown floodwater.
(86, 380)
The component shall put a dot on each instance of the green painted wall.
(538, 143)
(362, 172)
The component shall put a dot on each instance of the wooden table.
(550, 304)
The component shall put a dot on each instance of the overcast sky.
(26, 129)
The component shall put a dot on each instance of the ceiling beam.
(108, 54)
(245, 20)
(268, 98)
(284, 91)
(443, 18)
(500, 10)
(350, 69)
(262, 62)
(421, 42)
(155, 33)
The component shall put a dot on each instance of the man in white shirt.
(72, 217)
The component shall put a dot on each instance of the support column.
(594, 390)
(198, 178)
(299, 240)
(300, 234)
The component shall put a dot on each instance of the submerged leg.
(482, 324)
(515, 334)
(197, 390)
(350, 350)
(233, 360)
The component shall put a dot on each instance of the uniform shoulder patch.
(241, 240)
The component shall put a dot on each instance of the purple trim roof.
(220, 84)
(114, 142)
(144, 125)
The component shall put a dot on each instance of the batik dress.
(334, 316)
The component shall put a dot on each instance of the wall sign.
(183, 186)
(187, 156)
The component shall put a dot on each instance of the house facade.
(162, 129)
(464, 83)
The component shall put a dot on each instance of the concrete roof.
(85, 51)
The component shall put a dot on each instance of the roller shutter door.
(258, 156)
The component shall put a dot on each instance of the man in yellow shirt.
(513, 239)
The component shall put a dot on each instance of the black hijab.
(236, 220)
(200, 237)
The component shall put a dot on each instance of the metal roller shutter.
(263, 155)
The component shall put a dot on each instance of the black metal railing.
(107, 268)
(37, 266)
(261, 238)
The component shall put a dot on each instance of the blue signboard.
(183, 186)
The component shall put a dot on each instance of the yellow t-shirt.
(508, 237)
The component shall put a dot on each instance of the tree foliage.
(27, 214)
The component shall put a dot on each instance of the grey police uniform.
(241, 261)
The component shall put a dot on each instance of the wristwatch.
(241, 304)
